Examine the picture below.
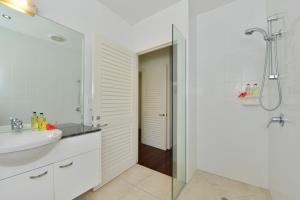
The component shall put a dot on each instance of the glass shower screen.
(179, 111)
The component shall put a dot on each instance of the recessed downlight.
(6, 16)
(57, 38)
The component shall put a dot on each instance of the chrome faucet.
(279, 120)
(16, 124)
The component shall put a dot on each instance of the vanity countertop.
(71, 130)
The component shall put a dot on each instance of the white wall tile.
(285, 142)
(232, 139)
(38, 75)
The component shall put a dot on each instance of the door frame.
(169, 89)
(155, 48)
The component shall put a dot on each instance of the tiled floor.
(140, 183)
(205, 186)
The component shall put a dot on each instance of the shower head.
(250, 31)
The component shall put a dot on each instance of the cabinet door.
(76, 175)
(33, 185)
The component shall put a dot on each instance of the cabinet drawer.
(77, 175)
(33, 185)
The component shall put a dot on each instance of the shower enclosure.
(179, 112)
(284, 148)
(281, 78)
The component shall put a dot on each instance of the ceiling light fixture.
(57, 38)
(24, 6)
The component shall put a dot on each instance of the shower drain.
(224, 198)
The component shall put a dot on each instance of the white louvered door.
(154, 106)
(115, 106)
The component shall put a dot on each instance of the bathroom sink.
(20, 147)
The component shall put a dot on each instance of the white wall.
(87, 17)
(232, 138)
(285, 142)
(192, 92)
(157, 29)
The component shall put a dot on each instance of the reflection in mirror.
(40, 69)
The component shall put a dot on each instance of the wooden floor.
(155, 159)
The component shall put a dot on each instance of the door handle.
(39, 176)
(162, 115)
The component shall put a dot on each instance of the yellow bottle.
(42, 122)
(255, 90)
(34, 121)
(248, 89)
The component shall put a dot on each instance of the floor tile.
(114, 190)
(140, 183)
(136, 194)
(206, 186)
(136, 174)
(157, 184)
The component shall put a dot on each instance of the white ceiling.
(134, 11)
(201, 6)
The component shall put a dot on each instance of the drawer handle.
(101, 126)
(65, 166)
(39, 176)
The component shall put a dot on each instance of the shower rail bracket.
(275, 17)
(273, 76)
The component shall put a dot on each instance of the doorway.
(155, 107)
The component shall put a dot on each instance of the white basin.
(25, 146)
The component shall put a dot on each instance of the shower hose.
(269, 65)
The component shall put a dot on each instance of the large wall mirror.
(41, 69)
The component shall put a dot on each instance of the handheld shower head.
(250, 31)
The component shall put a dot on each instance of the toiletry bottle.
(40, 119)
(248, 89)
(255, 90)
(42, 122)
(34, 121)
